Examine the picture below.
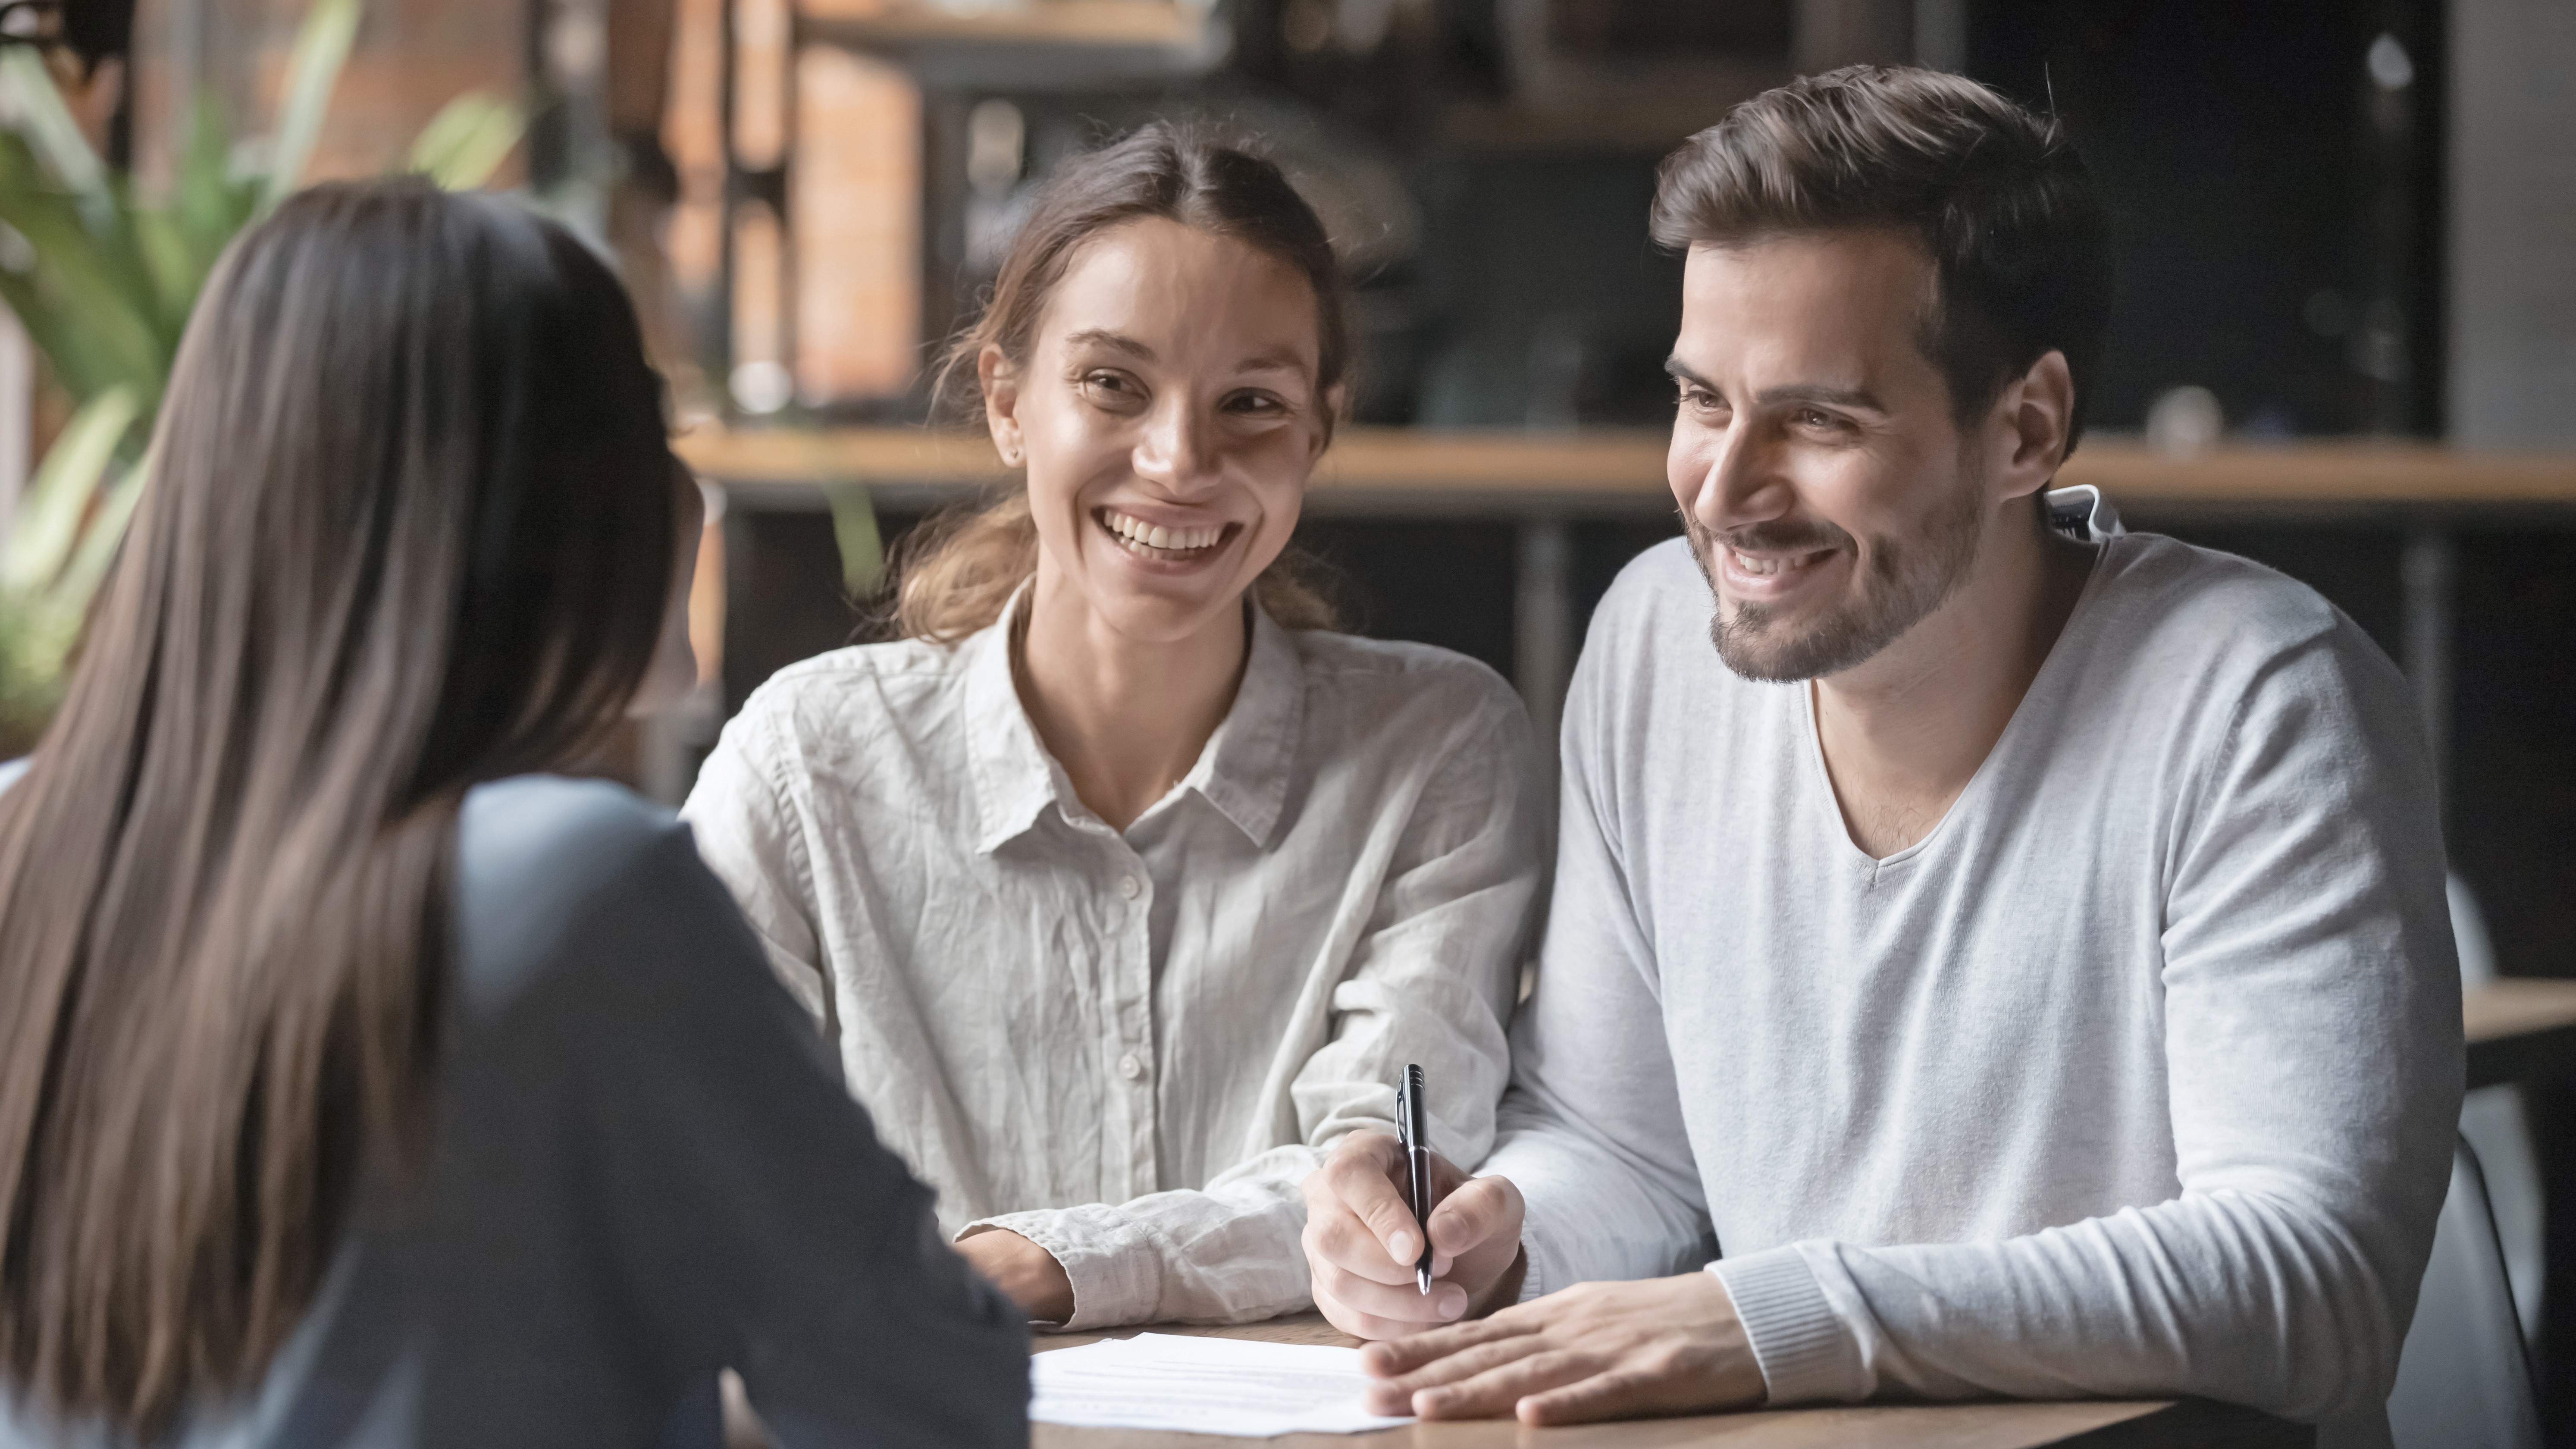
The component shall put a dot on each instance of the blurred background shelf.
(1620, 472)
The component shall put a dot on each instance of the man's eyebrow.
(1841, 397)
(1115, 341)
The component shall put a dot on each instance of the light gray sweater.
(2137, 1075)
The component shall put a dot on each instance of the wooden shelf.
(2519, 1027)
(1604, 472)
(1129, 23)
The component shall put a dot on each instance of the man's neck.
(1904, 732)
(1126, 719)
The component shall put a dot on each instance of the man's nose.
(1742, 483)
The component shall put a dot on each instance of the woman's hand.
(1028, 1273)
(1362, 1242)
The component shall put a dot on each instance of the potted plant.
(103, 278)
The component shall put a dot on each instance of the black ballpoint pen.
(1412, 1130)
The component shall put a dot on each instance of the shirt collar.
(1243, 772)
(1015, 777)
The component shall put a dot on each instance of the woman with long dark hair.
(360, 1082)
(1125, 883)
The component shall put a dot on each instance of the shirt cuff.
(1804, 1354)
(1116, 1274)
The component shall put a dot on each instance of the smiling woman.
(1232, 210)
(1122, 883)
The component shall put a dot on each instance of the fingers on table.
(1498, 1390)
(1406, 1355)
(1613, 1394)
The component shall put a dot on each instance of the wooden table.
(2101, 1424)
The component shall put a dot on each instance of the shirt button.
(1132, 1067)
(1130, 887)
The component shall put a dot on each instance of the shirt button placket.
(1135, 1018)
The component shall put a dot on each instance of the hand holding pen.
(1385, 1215)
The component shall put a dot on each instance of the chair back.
(2462, 1380)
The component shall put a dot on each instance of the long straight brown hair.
(409, 526)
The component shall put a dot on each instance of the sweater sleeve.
(752, 1210)
(2312, 1028)
(1592, 1131)
(1430, 981)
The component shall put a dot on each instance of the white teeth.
(1141, 534)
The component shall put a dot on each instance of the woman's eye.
(1255, 404)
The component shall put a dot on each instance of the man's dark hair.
(1996, 195)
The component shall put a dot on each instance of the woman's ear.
(1335, 398)
(1000, 383)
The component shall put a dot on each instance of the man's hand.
(1028, 1273)
(1362, 1242)
(1593, 1351)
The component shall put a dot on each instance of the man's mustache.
(1776, 537)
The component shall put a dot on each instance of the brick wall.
(411, 57)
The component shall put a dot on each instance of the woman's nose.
(1178, 446)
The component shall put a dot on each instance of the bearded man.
(2013, 961)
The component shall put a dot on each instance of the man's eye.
(1811, 418)
(1107, 381)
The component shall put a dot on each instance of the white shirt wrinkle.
(1132, 1047)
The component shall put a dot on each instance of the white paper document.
(1203, 1386)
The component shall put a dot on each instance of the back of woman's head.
(955, 573)
(408, 526)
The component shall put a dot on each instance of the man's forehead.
(1850, 302)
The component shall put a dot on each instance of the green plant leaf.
(57, 499)
(312, 71)
(81, 576)
(48, 125)
(172, 263)
(209, 203)
(466, 141)
(854, 530)
(102, 290)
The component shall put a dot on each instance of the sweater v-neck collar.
(2072, 639)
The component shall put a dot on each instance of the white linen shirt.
(1131, 1048)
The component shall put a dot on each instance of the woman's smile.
(1165, 543)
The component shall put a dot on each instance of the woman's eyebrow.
(1115, 341)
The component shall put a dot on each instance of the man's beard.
(1906, 581)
